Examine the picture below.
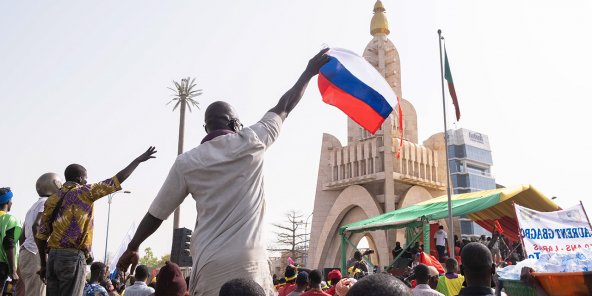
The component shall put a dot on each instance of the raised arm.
(125, 173)
(291, 98)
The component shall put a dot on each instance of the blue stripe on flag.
(335, 72)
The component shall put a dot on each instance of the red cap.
(334, 275)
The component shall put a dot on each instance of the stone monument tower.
(363, 178)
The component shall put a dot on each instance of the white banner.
(563, 231)
(122, 247)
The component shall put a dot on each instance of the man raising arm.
(67, 227)
(224, 176)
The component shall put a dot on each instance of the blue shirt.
(94, 290)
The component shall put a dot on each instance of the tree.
(164, 259)
(184, 94)
(152, 261)
(149, 259)
(291, 237)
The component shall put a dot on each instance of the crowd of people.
(475, 277)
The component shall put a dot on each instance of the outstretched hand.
(315, 64)
(147, 155)
(127, 259)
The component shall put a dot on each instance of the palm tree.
(184, 94)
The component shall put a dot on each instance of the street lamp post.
(109, 199)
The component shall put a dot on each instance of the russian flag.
(351, 84)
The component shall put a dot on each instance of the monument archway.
(354, 203)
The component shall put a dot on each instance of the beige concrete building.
(363, 178)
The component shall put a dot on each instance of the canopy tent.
(484, 207)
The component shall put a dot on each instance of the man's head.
(75, 173)
(142, 273)
(290, 274)
(477, 266)
(422, 273)
(48, 184)
(315, 279)
(241, 287)
(334, 276)
(302, 279)
(398, 244)
(434, 274)
(441, 227)
(381, 284)
(5, 199)
(170, 281)
(451, 265)
(357, 255)
(98, 271)
(221, 115)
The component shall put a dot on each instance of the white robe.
(225, 178)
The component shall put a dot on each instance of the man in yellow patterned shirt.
(66, 228)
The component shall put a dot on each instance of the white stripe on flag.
(365, 72)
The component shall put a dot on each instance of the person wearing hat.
(10, 232)
(170, 281)
(29, 263)
(290, 275)
(301, 284)
(423, 276)
(334, 277)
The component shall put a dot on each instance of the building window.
(335, 173)
(362, 167)
(380, 164)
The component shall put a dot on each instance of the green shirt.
(7, 222)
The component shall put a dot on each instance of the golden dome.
(379, 23)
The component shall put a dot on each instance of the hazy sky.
(86, 82)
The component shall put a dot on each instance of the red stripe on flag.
(357, 110)
(398, 154)
(454, 100)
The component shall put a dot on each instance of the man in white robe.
(224, 175)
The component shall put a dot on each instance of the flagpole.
(450, 226)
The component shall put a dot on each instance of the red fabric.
(431, 261)
(287, 289)
(398, 155)
(454, 100)
(357, 110)
(314, 292)
(508, 224)
(433, 230)
(498, 226)
(331, 291)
